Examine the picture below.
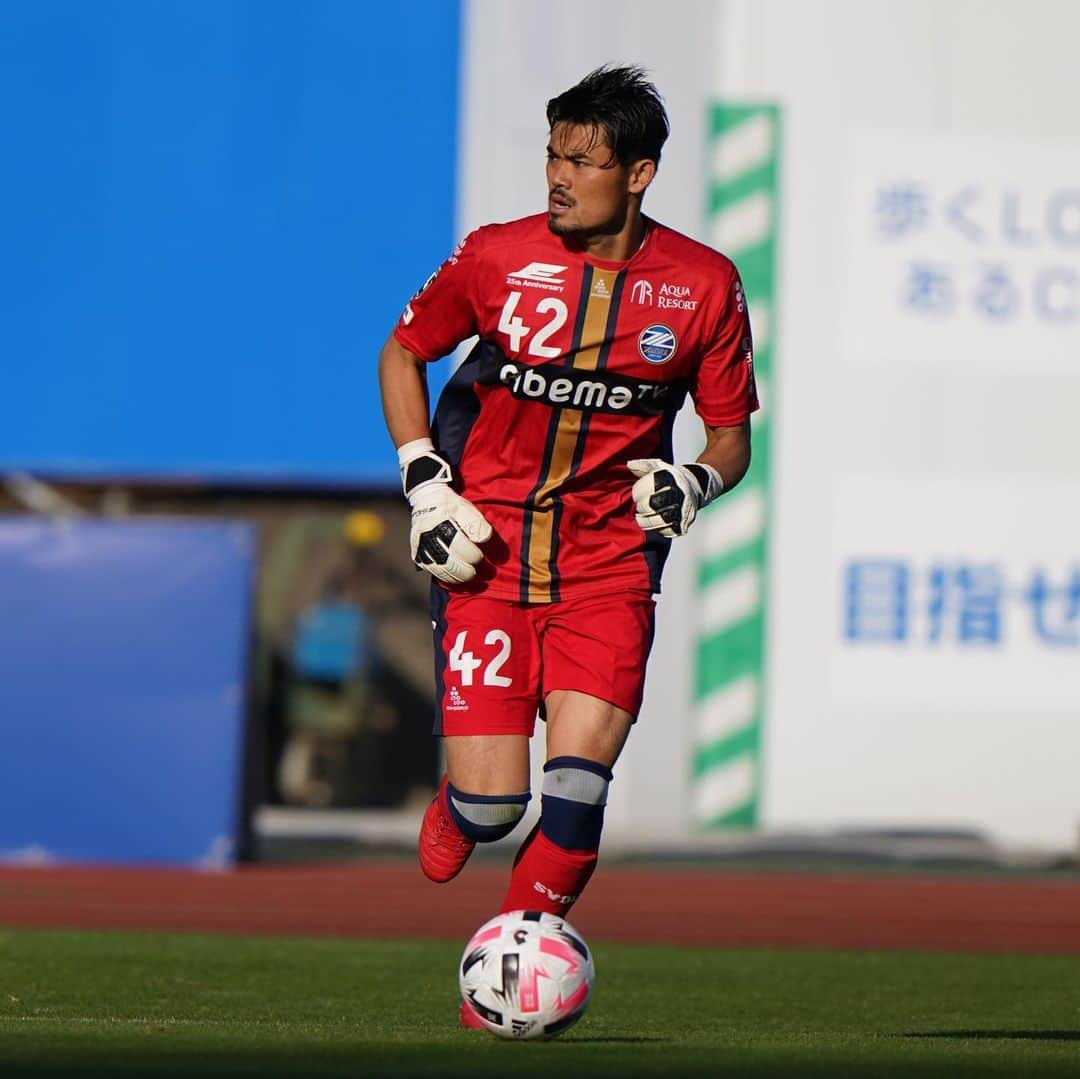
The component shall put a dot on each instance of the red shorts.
(496, 660)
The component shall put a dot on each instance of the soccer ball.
(526, 975)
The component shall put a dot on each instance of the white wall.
(840, 748)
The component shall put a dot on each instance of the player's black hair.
(620, 102)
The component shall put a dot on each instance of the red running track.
(708, 907)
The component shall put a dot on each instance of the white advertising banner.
(959, 597)
(954, 533)
(965, 251)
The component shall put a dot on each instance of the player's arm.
(727, 450)
(446, 528)
(404, 388)
(667, 497)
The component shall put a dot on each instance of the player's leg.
(486, 696)
(481, 798)
(473, 805)
(595, 652)
(584, 738)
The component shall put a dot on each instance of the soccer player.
(544, 497)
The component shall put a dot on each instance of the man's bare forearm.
(403, 384)
(728, 451)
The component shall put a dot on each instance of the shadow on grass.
(434, 1063)
(1004, 1035)
(613, 1041)
(624, 1056)
(626, 1061)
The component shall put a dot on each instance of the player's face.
(589, 191)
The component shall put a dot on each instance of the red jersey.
(581, 366)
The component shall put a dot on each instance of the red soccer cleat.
(469, 1019)
(443, 849)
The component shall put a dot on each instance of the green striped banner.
(743, 149)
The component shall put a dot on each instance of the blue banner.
(123, 656)
(213, 213)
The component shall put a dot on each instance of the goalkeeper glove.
(668, 497)
(445, 527)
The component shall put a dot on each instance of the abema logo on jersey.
(657, 343)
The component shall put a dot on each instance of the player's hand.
(446, 528)
(667, 497)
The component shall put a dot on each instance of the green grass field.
(127, 1004)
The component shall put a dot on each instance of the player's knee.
(574, 796)
(483, 818)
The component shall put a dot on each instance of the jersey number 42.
(515, 329)
(467, 664)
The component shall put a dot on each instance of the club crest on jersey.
(657, 343)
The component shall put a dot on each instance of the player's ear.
(641, 175)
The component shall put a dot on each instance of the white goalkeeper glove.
(668, 497)
(445, 527)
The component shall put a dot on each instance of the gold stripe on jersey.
(543, 511)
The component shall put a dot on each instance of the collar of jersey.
(610, 264)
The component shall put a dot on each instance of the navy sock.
(574, 795)
(485, 817)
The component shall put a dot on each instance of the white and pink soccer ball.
(526, 975)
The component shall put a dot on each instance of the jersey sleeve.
(723, 388)
(443, 313)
